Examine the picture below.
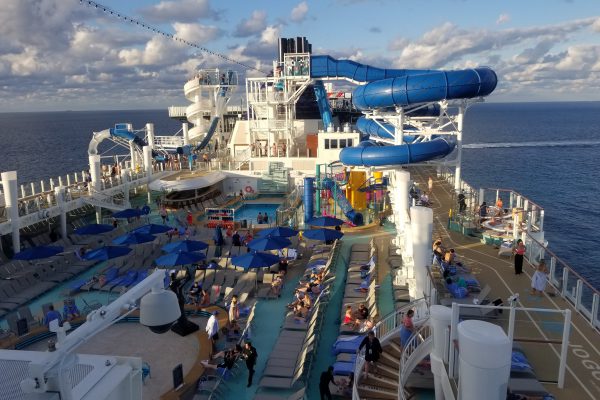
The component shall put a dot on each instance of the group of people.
(358, 319)
(259, 150)
(262, 218)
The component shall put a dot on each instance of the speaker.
(22, 327)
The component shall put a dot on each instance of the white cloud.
(182, 11)
(502, 19)
(251, 26)
(196, 33)
(299, 12)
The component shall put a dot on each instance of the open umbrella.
(255, 260)
(279, 231)
(269, 243)
(35, 253)
(106, 253)
(179, 258)
(134, 238)
(322, 234)
(153, 229)
(185, 245)
(325, 221)
(94, 229)
(128, 213)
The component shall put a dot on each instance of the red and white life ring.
(249, 189)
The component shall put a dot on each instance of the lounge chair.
(298, 395)
(347, 344)
(25, 312)
(125, 281)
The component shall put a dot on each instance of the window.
(349, 142)
(342, 143)
(334, 143)
(326, 143)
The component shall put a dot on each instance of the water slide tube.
(323, 103)
(402, 87)
(222, 101)
(120, 131)
(340, 198)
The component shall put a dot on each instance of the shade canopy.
(185, 245)
(128, 213)
(106, 253)
(153, 229)
(255, 260)
(325, 221)
(322, 234)
(179, 258)
(134, 238)
(279, 231)
(269, 243)
(94, 229)
(35, 253)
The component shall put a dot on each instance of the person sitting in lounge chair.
(70, 310)
(195, 293)
(229, 358)
(299, 296)
(301, 312)
(349, 319)
(205, 298)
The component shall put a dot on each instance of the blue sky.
(77, 57)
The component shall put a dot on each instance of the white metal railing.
(168, 141)
(566, 282)
(417, 347)
(386, 328)
(177, 111)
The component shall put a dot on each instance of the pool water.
(250, 211)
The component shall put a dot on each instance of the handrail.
(421, 337)
(386, 328)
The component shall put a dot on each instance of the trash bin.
(244, 224)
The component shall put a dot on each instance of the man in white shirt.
(212, 329)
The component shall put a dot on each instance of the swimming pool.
(249, 212)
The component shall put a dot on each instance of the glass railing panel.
(587, 299)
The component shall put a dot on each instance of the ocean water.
(546, 151)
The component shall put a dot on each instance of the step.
(393, 348)
(390, 371)
(374, 392)
(381, 381)
(390, 360)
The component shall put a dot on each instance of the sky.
(64, 55)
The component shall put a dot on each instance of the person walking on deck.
(519, 252)
(250, 355)
(539, 279)
(326, 379)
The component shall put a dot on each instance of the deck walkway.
(583, 363)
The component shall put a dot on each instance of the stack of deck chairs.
(361, 285)
(294, 350)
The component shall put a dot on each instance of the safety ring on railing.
(249, 189)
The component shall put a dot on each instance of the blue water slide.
(309, 193)
(323, 103)
(387, 88)
(122, 131)
(382, 129)
(211, 130)
(342, 201)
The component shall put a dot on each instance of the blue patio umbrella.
(128, 213)
(134, 238)
(279, 231)
(179, 258)
(255, 260)
(153, 229)
(322, 234)
(94, 229)
(35, 253)
(185, 245)
(269, 243)
(325, 221)
(106, 253)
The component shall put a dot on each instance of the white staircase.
(103, 200)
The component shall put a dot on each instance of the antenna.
(109, 11)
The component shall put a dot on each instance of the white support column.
(133, 156)
(148, 161)
(439, 318)
(399, 128)
(150, 131)
(421, 220)
(23, 191)
(484, 361)
(11, 202)
(401, 198)
(459, 128)
(95, 172)
(126, 178)
(186, 136)
(59, 194)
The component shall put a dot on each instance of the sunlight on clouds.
(196, 33)
(251, 26)
(502, 19)
(299, 12)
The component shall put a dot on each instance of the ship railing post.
(595, 305)
(32, 189)
(453, 339)
(565, 280)
(23, 191)
(11, 201)
(578, 293)
(564, 349)
(552, 272)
